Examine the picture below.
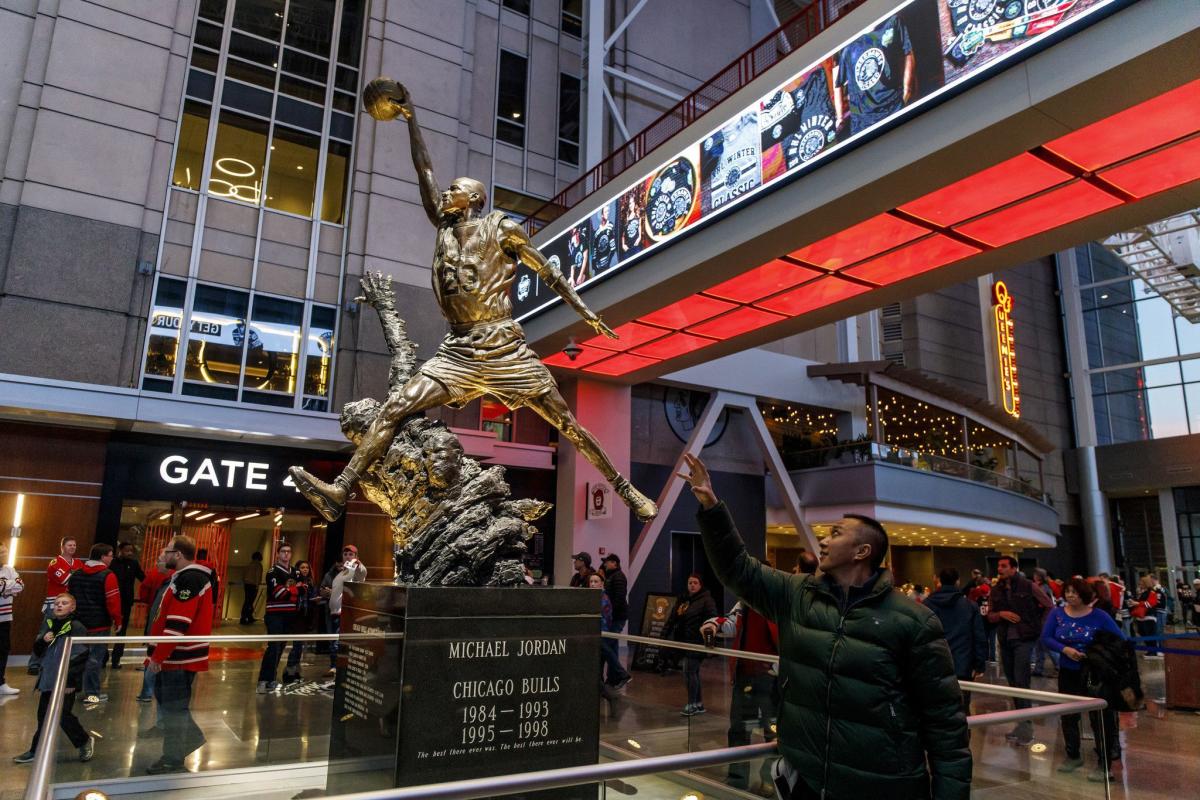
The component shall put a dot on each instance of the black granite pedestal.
(484, 682)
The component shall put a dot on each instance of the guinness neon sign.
(1006, 348)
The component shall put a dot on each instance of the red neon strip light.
(1134, 130)
(773, 276)
(590, 355)
(621, 364)
(859, 241)
(677, 344)
(735, 323)
(631, 335)
(993, 187)
(920, 256)
(687, 311)
(813, 295)
(1165, 169)
(1058, 207)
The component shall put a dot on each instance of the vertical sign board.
(654, 618)
(487, 682)
(1006, 348)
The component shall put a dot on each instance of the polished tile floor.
(246, 731)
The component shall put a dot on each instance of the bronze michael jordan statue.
(484, 353)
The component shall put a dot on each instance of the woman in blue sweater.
(1069, 630)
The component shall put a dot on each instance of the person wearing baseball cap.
(583, 569)
(352, 570)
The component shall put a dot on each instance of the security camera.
(572, 350)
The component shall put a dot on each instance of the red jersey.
(186, 610)
(58, 573)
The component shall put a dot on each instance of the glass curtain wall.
(1143, 358)
(267, 121)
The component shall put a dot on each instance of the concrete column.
(1093, 512)
(593, 82)
(604, 409)
(1170, 529)
(1093, 505)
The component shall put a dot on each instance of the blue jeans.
(276, 624)
(691, 675)
(91, 671)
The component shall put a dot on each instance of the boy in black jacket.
(50, 642)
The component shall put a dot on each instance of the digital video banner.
(906, 59)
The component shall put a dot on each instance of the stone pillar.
(604, 409)
(1093, 505)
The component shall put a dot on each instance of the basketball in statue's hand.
(385, 99)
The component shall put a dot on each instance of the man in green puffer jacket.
(871, 705)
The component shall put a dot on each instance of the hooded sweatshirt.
(352, 570)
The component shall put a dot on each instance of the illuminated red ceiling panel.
(773, 276)
(920, 256)
(1159, 171)
(590, 355)
(676, 344)
(735, 323)
(813, 295)
(631, 335)
(1134, 130)
(996, 186)
(859, 241)
(621, 364)
(1050, 210)
(1039, 197)
(687, 311)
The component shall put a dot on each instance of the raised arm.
(516, 244)
(386, 99)
(763, 588)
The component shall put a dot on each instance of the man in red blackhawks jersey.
(186, 610)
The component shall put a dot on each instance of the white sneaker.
(6, 690)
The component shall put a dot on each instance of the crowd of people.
(96, 597)
(882, 652)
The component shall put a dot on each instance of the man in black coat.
(128, 571)
(963, 624)
(617, 588)
(1018, 608)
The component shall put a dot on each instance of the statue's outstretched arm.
(386, 99)
(377, 293)
(516, 243)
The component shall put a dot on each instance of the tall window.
(568, 119)
(572, 18)
(241, 345)
(285, 94)
(1143, 357)
(510, 98)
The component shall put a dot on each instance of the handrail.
(1059, 705)
(764, 54)
(521, 782)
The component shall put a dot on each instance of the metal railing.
(39, 776)
(852, 453)
(39, 781)
(773, 48)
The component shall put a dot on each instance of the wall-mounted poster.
(809, 126)
(729, 163)
(671, 197)
(603, 235)
(886, 68)
(975, 32)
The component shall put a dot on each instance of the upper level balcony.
(937, 465)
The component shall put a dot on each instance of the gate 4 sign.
(1006, 348)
